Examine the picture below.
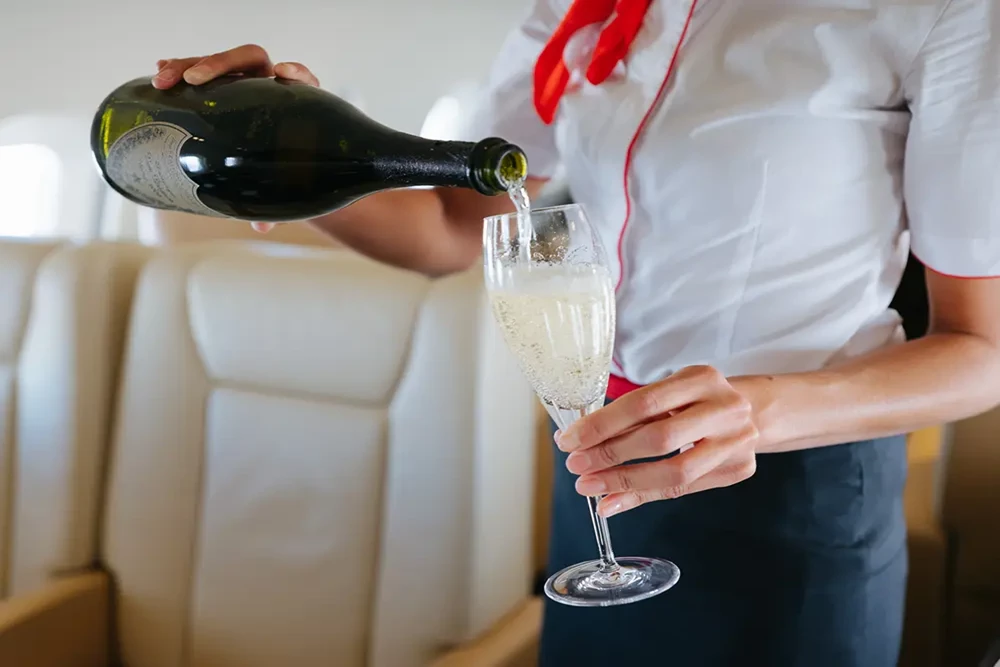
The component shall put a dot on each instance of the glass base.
(635, 579)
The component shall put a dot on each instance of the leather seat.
(63, 311)
(923, 640)
(953, 499)
(317, 460)
(970, 505)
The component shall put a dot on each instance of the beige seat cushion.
(971, 505)
(319, 460)
(63, 311)
(923, 630)
(19, 264)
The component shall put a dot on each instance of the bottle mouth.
(502, 167)
(513, 167)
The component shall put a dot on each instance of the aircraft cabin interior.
(227, 448)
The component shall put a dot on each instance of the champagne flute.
(552, 294)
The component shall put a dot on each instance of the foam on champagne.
(559, 321)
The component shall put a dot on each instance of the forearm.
(436, 231)
(940, 378)
(410, 229)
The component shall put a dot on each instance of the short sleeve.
(952, 163)
(506, 108)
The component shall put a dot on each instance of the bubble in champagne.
(559, 321)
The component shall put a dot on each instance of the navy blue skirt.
(802, 565)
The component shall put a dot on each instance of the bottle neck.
(489, 166)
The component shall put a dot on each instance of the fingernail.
(557, 435)
(162, 79)
(162, 76)
(612, 508)
(566, 442)
(593, 486)
(578, 463)
(196, 75)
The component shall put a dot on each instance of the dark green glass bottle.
(267, 150)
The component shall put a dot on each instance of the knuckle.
(606, 456)
(649, 403)
(708, 373)
(171, 66)
(672, 492)
(256, 51)
(746, 436)
(633, 499)
(739, 405)
(660, 437)
(623, 481)
(211, 63)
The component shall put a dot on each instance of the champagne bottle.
(270, 150)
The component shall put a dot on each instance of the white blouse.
(758, 198)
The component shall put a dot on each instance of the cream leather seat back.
(63, 311)
(970, 507)
(319, 461)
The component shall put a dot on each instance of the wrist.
(778, 403)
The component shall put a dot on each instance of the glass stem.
(606, 553)
(563, 418)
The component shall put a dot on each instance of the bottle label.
(146, 163)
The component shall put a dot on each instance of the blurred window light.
(450, 116)
(443, 119)
(30, 180)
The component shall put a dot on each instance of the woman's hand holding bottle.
(246, 60)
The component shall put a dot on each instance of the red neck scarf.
(551, 73)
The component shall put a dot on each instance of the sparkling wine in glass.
(552, 294)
